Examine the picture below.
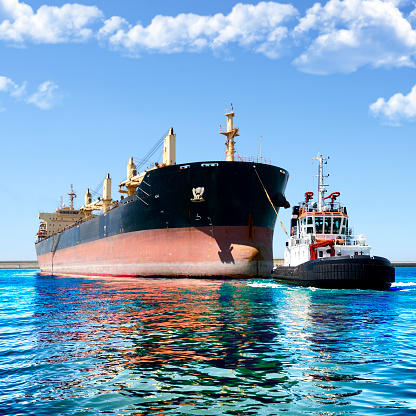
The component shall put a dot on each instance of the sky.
(84, 86)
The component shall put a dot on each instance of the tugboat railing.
(340, 240)
(328, 207)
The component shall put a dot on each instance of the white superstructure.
(321, 229)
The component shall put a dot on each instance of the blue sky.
(84, 86)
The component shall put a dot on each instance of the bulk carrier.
(202, 219)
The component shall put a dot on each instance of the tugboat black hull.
(341, 272)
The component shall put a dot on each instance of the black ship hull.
(343, 272)
(163, 230)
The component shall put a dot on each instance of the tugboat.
(322, 250)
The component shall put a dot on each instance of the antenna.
(261, 148)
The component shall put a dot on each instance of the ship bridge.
(323, 224)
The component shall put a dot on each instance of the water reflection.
(159, 345)
(340, 342)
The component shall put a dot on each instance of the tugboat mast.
(321, 176)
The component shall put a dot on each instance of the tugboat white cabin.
(321, 229)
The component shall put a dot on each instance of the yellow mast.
(230, 133)
(134, 179)
(169, 149)
(104, 203)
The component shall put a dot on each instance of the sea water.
(76, 346)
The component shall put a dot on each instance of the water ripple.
(201, 347)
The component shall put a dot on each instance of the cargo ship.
(202, 219)
(322, 250)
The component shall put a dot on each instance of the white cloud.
(397, 108)
(256, 27)
(46, 97)
(339, 36)
(346, 35)
(6, 84)
(10, 87)
(49, 24)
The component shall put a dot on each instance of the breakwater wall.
(404, 263)
(25, 264)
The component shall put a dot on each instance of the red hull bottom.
(237, 252)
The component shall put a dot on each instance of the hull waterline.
(199, 252)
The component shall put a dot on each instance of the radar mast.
(72, 195)
(321, 186)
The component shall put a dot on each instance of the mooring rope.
(268, 197)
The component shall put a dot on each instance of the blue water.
(72, 346)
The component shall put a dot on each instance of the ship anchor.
(197, 193)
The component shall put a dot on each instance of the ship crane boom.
(104, 203)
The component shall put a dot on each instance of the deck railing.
(254, 159)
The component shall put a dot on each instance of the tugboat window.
(310, 220)
(318, 225)
(344, 220)
(327, 225)
(309, 230)
(336, 225)
(321, 253)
